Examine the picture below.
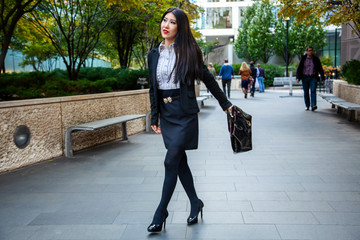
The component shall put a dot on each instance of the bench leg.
(124, 132)
(351, 115)
(339, 110)
(148, 121)
(68, 147)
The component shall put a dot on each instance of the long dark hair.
(189, 62)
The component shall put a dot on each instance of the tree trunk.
(2, 59)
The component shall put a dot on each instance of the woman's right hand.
(156, 129)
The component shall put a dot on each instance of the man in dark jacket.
(226, 74)
(309, 72)
(253, 75)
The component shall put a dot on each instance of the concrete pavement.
(300, 181)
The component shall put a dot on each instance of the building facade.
(221, 19)
(350, 45)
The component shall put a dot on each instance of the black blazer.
(317, 67)
(187, 93)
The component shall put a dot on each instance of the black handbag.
(239, 124)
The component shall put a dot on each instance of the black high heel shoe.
(194, 219)
(157, 227)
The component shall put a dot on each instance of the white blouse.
(165, 66)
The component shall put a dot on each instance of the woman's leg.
(172, 161)
(187, 181)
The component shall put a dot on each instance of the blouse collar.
(163, 47)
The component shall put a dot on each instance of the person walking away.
(308, 72)
(226, 74)
(212, 71)
(245, 73)
(260, 75)
(253, 75)
(174, 64)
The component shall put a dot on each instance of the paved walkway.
(301, 181)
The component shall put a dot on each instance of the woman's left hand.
(229, 109)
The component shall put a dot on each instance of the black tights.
(176, 165)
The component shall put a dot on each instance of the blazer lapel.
(154, 62)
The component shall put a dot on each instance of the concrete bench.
(90, 126)
(342, 104)
(208, 95)
(280, 81)
(200, 100)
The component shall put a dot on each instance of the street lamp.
(287, 46)
(287, 56)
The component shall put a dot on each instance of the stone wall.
(48, 119)
(348, 92)
(350, 43)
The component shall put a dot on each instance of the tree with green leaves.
(241, 44)
(135, 30)
(255, 39)
(149, 33)
(330, 12)
(300, 36)
(280, 40)
(37, 49)
(11, 11)
(207, 47)
(308, 36)
(73, 27)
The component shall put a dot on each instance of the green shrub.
(29, 85)
(271, 71)
(217, 68)
(327, 60)
(236, 68)
(351, 72)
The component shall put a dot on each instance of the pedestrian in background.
(308, 72)
(212, 71)
(260, 76)
(174, 65)
(253, 76)
(226, 73)
(245, 73)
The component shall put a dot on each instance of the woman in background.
(245, 73)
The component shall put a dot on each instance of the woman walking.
(245, 73)
(173, 67)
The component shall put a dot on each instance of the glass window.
(215, 18)
(241, 15)
(331, 49)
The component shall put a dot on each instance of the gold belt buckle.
(167, 100)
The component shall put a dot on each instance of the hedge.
(27, 85)
(351, 72)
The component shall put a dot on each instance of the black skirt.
(180, 130)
